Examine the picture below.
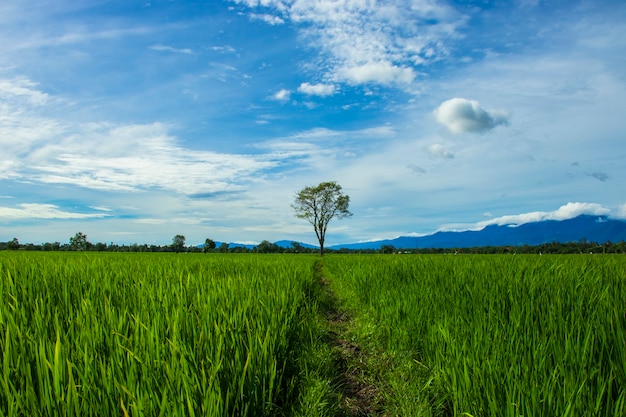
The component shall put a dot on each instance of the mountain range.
(598, 229)
(585, 227)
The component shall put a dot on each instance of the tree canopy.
(178, 243)
(319, 205)
(79, 242)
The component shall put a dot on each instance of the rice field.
(86, 334)
(492, 335)
(128, 334)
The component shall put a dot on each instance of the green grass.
(230, 334)
(491, 335)
(117, 334)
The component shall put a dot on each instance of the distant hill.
(589, 228)
(287, 244)
(282, 243)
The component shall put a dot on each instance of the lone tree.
(319, 204)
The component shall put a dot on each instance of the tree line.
(79, 242)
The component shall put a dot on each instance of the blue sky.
(134, 121)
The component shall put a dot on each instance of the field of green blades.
(490, 335)
(97, 334)
(140, 334)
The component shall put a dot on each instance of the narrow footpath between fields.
(360, 394)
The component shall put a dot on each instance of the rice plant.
(132, 334)
(493, 335)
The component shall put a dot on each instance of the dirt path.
(359, 394)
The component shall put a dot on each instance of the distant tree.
(178, 243)
(387, 249)
(79, 242)
(100, 246)
(297, 247)
(209, 245)
(13, 244)
(319, 204)
(224, 247)
(267, 247)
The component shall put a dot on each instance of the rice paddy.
(231, 334)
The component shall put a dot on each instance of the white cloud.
(100, 208)
(165, 48)
(224, 49)
(380, 72)
(23, 90)
(105, 156)
(141, 157)
(282, 95)
(321, 90)
(374, 41)
(460, 115)
(267, 18)
(43, 211)
(565, 212)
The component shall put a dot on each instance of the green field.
(250, 335)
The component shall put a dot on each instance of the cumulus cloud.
(439, 151)
(282, 95)
(321, 90)
(43, 211)
(362, 42)
(460, 115)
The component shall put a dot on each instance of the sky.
(134, 121)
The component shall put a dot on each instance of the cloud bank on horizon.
(134, 123)
(565, 212)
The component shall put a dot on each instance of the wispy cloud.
(109, 157)
(22, 90)
(224, 49)
(166, 48)
(44, 211)
(267, 18)
(460, 115)
(141, 157)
